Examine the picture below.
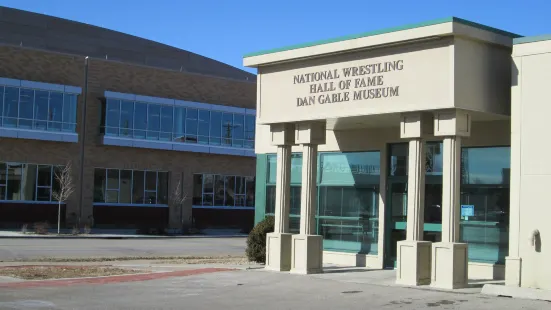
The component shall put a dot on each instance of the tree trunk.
(58, 217)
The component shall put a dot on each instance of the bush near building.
(256, 242)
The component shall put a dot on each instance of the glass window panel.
(3, 175)
(29, 182)
(191, 125)
(112, 196)
(56, 186)
(434, 158)
(208, 183)
(215, 124)
(153, 121)
(125, 190)
(150, 180)
(219, 193)
(99, 185)
(26, 103)
(270, 199)
(112, 118)
(230, 190)
(41, 109)
(162, 191)
(398, 165)
(204, 126)
(251, 185)
(179, 124)
(166, 123)
(207, 199)
(197, 189)
(55, 111)
(295, 200)
(2, 192)
(227, 129)
(113, 179)
(11, 106)
(44, 175)
(138, 180)
(127, 118)
(249, 127)
(150, 197)
(43, 193)
(1, 106)
(240, 185)
(140, 120)
(354, 168)
(69, 112)
(238, 126)
(485, 173)
(15, 178)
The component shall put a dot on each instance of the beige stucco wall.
(530, 165)
(423, 83)
(482, 76)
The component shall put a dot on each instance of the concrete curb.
(122, 237)
(516, 292)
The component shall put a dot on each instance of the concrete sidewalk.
(254, 289)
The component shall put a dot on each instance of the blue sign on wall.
(467, 210)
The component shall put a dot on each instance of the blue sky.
(226, 29)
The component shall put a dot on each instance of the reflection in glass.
(153, 121)
(112, 117)
(41, 110)
(26, 102)
(203, 127)
(11, 100)
(140, 120)
(179, 124)
(227, 129)
(215, 128)
(485, 186)
(238, 130)
(191, 125)
(138, 189)
(166, 123)
(219, 189)
(127, 118)
(125, 189)
(55, 111)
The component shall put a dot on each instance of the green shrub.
(256, 242)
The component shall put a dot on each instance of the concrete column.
(451, 181)
(513, 262)
(309, 190)
(414, 254)
(307, 248)
(283, 189)
(450, 258)
(416, 190)
(278, 243)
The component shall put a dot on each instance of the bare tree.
(66, 187)
(177, 199)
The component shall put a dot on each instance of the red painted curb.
(112, 279)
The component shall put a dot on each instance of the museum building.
(406, 148)
(156, 119)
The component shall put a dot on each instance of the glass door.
(397, 185)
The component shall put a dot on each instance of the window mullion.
(36, 183)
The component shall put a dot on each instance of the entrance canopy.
(444, 64)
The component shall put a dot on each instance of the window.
(28, 182)
(37, 109)
(485, 173)
(296, 187)
(150, 121)
(348, 190)
(127, 187)
(223, 190)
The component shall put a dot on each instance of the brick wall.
(21, 63)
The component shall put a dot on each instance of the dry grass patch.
(59, 272)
